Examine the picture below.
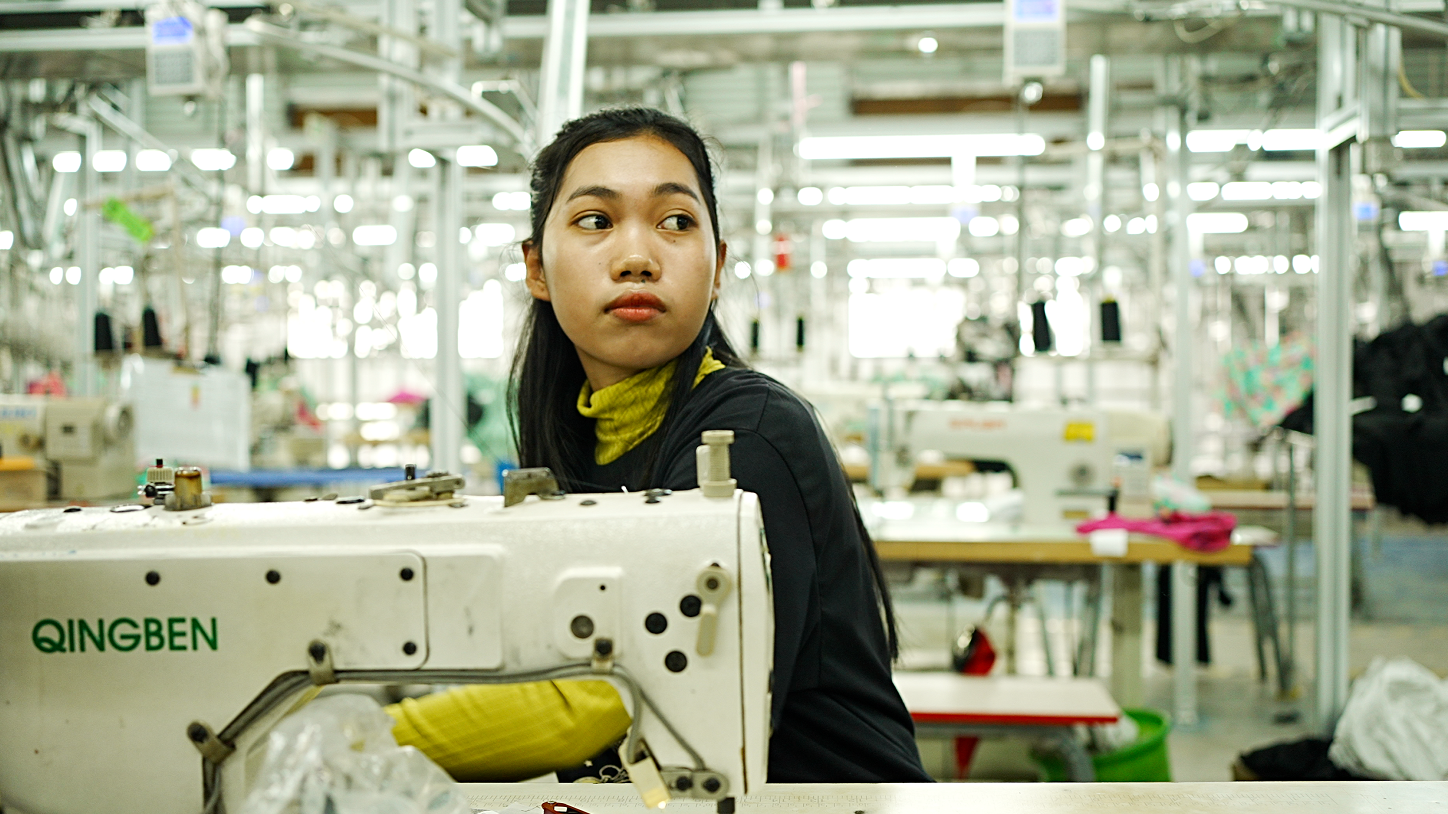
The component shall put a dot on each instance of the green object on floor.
(1146, 760)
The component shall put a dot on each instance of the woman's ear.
(722, 256)
(537, 283)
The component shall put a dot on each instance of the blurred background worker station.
(1071, 408)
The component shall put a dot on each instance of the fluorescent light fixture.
(1136, 226)
(1286, 139)
(1216, 141)
(1095, 140)
(280, 159)
(252, 237)
(981, 193)
(1072, 266)
(72, 275)
(289, 204)
(109, 160)
(343, 203)
(7, 239)
(70, 206)
(1217, 223)
(512, 201)
(963, 267)
(1287, 190)
(765, 196)
(982, 226)
(1302, 264)
(810, 196)
(122, 275)
(1076, 227)
(1280, 264)
(1420, 139)
(818, 269)
(284, 236)
(1223, 265)
(236, 275)
(406, 271)
(375, 234)
(212, 237)
(1311, 190)
(764, 267)
(212, 159)
(477, 155)
(1009, 225)
(402, 203)
(495, 234)
(515, 272)
(742, 270)
(919, 146)
(902, 230)
(421, 159)
(1111, 223)
(465, 235)
(427, 273)
(897, 268)
(66, 161)
(834, 229)
(1430, 221)
(57, 274)
(927, 45)
(153, 161)
(1150, 192)
(1203, 190)
(763, 226)
(1248, 190)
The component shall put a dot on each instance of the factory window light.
(902, 230)
(280, 159)
(480, 323)
(915, 321)
(421, 159)
(1420, 139)
(343, 203)
(810, 196)
(1203, 190)
(212, 237)
(897, 268)
(153, 161)
(1216, 223)
(1248, 190)
(109, 160)
(477, 155)
(495, 234)
(376, 234)
(1430, 221)
(212, 159)
(66, 161)
(919, 146)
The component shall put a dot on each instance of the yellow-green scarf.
(629, 411)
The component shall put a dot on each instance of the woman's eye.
(593, 222)
(678, 223)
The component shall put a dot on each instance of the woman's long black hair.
(547, 375)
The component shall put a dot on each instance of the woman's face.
(628, 257)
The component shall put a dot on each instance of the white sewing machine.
(89, 442)
(1065, 461)
(145, 652)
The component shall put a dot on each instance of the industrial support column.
(449, 410)
(1098, 107)
(565, 53)
(1183, 574)
(1332, 518)
(87, 253)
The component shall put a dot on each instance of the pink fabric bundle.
(1211, 531)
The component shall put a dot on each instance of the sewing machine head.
(88, 442)
(133, 638)
(1065, 460)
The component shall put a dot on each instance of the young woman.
(622, 366)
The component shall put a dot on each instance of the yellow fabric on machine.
(629, 411)
(489, 733)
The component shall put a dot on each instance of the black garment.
(1403, 439)
(837, 716)
(1305, 759)
(1209, 577)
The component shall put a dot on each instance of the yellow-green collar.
(628, 412)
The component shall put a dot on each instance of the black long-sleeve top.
(837, 716)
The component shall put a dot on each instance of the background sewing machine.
(1065, 461)
(132, 638)
(86, 446)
